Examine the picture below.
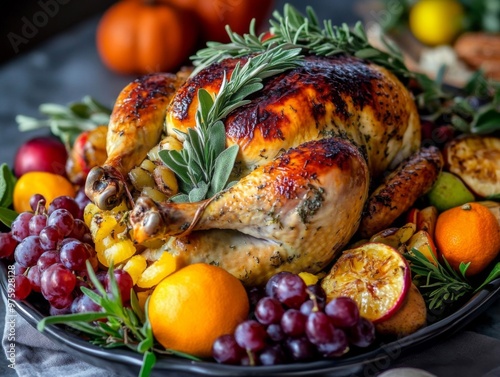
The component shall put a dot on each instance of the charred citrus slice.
(374, 275)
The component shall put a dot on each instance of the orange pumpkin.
(139, 37)
(214, 15)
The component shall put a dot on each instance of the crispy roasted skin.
(326, 96)
(293, 211)
(135, 126)
(325, 128)
(399, 190)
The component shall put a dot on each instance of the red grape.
(343, 311)
(293, 322)
(250, 335)
(57, 281)
(22, 287)
(7, 245)
(20, 226)
(226, 350)
(290, 290)
(268, 310)
(28, 251)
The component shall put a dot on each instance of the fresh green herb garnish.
(294, 30)
(124, 326)
(439, 283)
(204, 164)
(67, 122)
(7, 183)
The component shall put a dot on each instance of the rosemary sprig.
(442, 285)
(67, 122)
(123, 326)
(294, 30)
(204, 164)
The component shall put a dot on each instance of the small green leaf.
(67, 318)
(221, 172)
(198, 193)
(494, 273)
(486, 122)
(7, 216)
(148, 363)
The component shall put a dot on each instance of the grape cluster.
(51, 247)
(293, 322)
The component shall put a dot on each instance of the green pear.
(449, 191)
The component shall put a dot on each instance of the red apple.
(43, 153)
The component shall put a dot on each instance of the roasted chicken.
(312, 142)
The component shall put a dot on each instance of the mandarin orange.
(468, 233)
(193, 306)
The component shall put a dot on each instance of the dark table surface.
(66, 67)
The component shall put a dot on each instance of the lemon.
(436, 22)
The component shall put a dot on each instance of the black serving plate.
(127, 363)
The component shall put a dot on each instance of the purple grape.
(308, 307)
(300, 349)
(50, 237)
(275, 332)
(336, 347)
(250, 335)
(273, 281)
(293, 322)
(272, 355)
(343, 311)
(268, 310)
(37, 203)
(124, 282)
(7, 245)
(61, 302)
(74, 254)
(226, 350)
(290, 290)
(82, 200)
(22, 287)
(34, 278)
(84, 304)
(317, 294)
(67, 203)
(57, 281)
(20, 226)
(47, 259)
(362, 334)
(36, 224)
(28, 251)
(80, 229)
(319, 329)
(62, 219)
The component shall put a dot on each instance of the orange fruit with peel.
(375, 275)
(468, 233)
(193, 306)
(49, 185)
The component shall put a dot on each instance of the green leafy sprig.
(7, 183)
(204, 164)
(67, 122)
(441, 285)
(294, 30)
(116, 325)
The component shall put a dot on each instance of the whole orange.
(468, 233)
(189, 309)
(49, 185)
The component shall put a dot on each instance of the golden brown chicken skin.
(294, 213)
(135, 126)
(326, 96)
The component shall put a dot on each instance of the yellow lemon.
(436, 22)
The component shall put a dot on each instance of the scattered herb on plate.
(116, 325)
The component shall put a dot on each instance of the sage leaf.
(494, 273)
(222, 171)
(198, 193)
(148, 362)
